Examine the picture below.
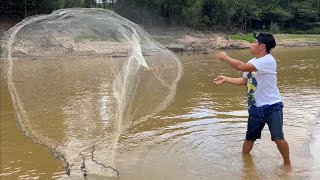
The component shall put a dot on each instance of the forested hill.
(229, 15)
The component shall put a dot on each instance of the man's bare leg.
(283, 147)
(247, 146)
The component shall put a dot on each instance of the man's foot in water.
(287, 168)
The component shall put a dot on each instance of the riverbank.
(205, 40)
(180, 40)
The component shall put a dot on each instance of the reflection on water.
(200, 135)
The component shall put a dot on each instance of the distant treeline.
(229, 15)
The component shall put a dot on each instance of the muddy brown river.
(200, 135)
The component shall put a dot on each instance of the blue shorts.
(259, 116)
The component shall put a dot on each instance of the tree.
(104, 2)
(89, 3)
(247, 11)
(200, 14)
(305, 14)
(72, 3)
(274, 13)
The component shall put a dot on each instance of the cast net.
(79, 78)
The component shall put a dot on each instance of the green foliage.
(89, 3)
(213, 12)
(161, 39)
(72, 3)
(247, 37)
(243, 15)
(1, 36)
(274, 28)
(305, 13)
(247, 12)
(191, 15)
(84, 37)
(309, 31)
(305, 37)
(312, 31)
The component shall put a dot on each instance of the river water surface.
(200, 135)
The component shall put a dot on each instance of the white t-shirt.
(262, 84)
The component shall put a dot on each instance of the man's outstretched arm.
(236, 64)
(236, 81)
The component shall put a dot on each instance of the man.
(264, 99)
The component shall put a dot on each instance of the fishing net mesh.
(79, 78)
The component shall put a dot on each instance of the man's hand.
(222, 55)
(220, 79)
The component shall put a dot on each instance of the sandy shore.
(205, 40)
